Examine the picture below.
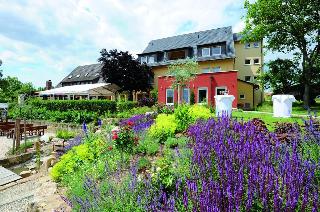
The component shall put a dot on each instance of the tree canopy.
(123, 70)
(288, 26)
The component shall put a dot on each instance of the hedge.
(98, 106)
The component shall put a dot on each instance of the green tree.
(182, 72)
(282, 76)
(288, 26)
(123, 70)
(11, 87)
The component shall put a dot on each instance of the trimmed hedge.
(125, 106)
(98, 106)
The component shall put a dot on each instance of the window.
(216, 50)
(216, 69)
(256, 61)
(247, 45)
(169, 96)
(205, 52)
(256, 44)
(78, 76)
(144, 59)
(247, 78)
(86, 74)
(206, 70)
(221, 90)
(242, 96)
(186, 95)
(151, 59)
(203, 95)
(70, 77)
(247, 62)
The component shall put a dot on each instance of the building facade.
(216, 50)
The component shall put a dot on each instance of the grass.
(267, 118)
(297, 107)
(22, 148)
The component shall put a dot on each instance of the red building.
(204, 86)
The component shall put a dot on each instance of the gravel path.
(5, 145)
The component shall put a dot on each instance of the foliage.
(144, 163)
(149, 146)
(186, 115)
(281, 76)
(134, 111)
(288, 26)
(163, 108)
(154, 94)
(175, 142)
(22, 148)
(124, 138)
(11, 87)
(145, 101)
(98, 106)
(65, 134)
(165, 126)
(125, 105)
(192, 98)
(183, 71)
(123, 70)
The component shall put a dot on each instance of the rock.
(49, 170)
(98, 132)
(25, 174)
(32, 207)
(150, 113)
(34, 172)
(179, 135)
(45, 138)
(47, 162)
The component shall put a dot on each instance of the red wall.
(209, 80)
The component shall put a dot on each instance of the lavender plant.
(140, 122)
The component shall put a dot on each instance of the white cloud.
(59, 35)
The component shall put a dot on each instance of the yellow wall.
(226, 65)
(243, 53)
(247, 90)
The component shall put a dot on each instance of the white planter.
(224, 104)
(282, 105)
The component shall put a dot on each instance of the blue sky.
(42, 40)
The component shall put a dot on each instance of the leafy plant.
(143, 163)
(165, 126)
(65, 134)
(149, 146)
(175, 142)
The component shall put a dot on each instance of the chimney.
(48, 85)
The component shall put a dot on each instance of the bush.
(199, 112)
(149, 102)
(165, 126)
(98, 106)
(143, 163)
(126, 106)
(65, 134)
(175, 142)
(148, 146)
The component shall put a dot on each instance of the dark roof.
(237, 36)
(193, 39)
(84, 73)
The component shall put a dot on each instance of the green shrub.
(65, 134)
(175, 142)
(125, 106)
(148, 145)
(98, 106)
(165, 126)
(144, 163)
(199, 112)
(134, 111)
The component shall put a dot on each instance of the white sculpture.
(224, 105)
(282, 105)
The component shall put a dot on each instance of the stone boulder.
(25, 174)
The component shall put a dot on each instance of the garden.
(186, 159)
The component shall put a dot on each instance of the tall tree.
(182, 72)
(288, 26)
(123, 70)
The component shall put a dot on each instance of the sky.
(45, 40)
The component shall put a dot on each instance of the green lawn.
(297, 107)
(267, 118)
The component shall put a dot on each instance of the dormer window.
(144, 59)
(78, 76)
(86, 74)
(69, 77)
(151, 59)
(216, 50)
(205, 52)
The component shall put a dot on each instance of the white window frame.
(216, 47)
(247, 80)
(188, 89)
(167, 96)
(144, 59)
(256, 44)
(220, 87)
(244, 96)
(202, 88)
(208, 70)
(206, 48)
(256, 63)
(246, 45)
(216, 68)
(149, 59)
(245, 62)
